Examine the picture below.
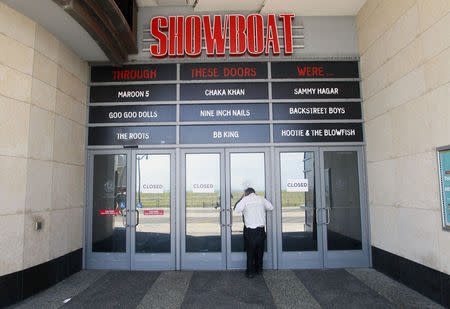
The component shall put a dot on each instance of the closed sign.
(152, 188)
(203, 188)
(297, 185)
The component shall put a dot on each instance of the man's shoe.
(249, 275)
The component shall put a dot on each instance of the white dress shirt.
(254, 208)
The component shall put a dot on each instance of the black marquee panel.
(228, 102)
(134, 73)
(315, 69)
(225, 134)
(317, 132)
(132, 136)
(316, 110)
(224, 91)
(133, 93)
(315, 90)
(223, 70)
(132, 113)
(224, 112)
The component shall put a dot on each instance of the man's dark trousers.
(255, 249)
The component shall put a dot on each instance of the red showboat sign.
(179, 36)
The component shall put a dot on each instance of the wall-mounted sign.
(315, 90)
(444, 180)
(179, 36)
(192, 102)
(132, 136)
(203, 187)
(153, 212)
(315, 69)
(133, 93)
(224, 112)
(316, 110)
(132, 113)
(224, 91)
(152, 188)
(317, 132)
(223, 70)
(109, 212)
(297, 185)
(134, 73)
(222, 134)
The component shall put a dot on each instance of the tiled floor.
(328, 288)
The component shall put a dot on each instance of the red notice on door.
(154, 212)
(109, 212)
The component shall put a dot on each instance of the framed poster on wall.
(443, 155)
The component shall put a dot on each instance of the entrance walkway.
(330, 288)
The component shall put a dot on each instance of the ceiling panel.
(229, 5)
(314, 7)
(299, 7)
(56, 21)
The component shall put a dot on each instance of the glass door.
(299, 228)
(203, 244)
(131, 202)
(245, 169)
(153, 226)
(213, 182)
(346, 220)
(108, 228)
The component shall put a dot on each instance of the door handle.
(317, 215)
(137, 217)
(124, 218)
(221, 218)
(328, 215)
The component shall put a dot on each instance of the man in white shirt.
(254, 208)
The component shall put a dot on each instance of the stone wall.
(43, 97)
(405, 69)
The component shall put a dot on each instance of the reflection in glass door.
(108, 219)
(298, 226)
(203, 241)
(346, 219)
(322, 221)
(213, 183)
(300, 235)
(246, 169)
(153, 230)
(130, 205)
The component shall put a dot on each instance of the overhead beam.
(105, 23)
(127, 33)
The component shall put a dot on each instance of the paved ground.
(337, 288)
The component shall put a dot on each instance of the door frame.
(299, 259)
(349, 258)
(130, 260)
(153, 261)
(323, 258)
(199, 260)
(273, 258)
(238, 260)
(106, 260)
